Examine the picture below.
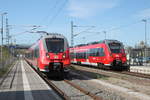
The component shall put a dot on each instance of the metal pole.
(2, 34)
(105, 34)
(72, 37)
(145, 21)
(2, 30)
(145, 38)
(7, 32)
(2, 37)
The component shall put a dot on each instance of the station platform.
(140, 69)
(23, 83)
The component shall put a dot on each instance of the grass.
(5, 56)
(4, 70)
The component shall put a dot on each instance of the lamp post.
(145, 21)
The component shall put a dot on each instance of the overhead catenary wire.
(58, 11)
(34, 27)
(116, 28)
(49, 11)
(110, 29)
(90, 27)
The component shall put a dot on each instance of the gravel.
(73, 93)
(106, 95)
(130, 88)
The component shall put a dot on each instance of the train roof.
(48, 35)
(53, 35)
(97, 42)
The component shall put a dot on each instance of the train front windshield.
(55, 45)
(115, 47)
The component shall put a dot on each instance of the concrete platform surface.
(23, 83)
(140, 69)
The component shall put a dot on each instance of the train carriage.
(106, 53)
(50, 54)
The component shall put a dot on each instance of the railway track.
(136, 74)
(61, 93)
(84, 91)
(120, 72)
(75, 91)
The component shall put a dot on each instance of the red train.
(50, 54)
(106, 53)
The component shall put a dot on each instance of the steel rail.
(136, 74)
(84, 91)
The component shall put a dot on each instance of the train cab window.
(115, 47)
(55, 45)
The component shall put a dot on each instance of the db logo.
(117, 55)
(55, 57)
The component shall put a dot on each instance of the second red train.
(106, 53)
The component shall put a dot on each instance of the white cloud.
(86, 8)
(144, 13)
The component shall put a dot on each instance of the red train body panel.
(108, 52)
(50, 53)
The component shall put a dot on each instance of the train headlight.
(47, 55)
(64, 55)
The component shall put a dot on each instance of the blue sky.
(121, 19)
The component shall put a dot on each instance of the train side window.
(32, 54)
(72, 55)
(36, 52)
(102, 52)
(97, 52)
(87, 54)
(77, 55)
(81, 55)
(92, 52)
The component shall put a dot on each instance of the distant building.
(138, 55)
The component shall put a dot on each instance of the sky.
(120, 19)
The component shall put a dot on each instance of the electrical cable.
(58, 11)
